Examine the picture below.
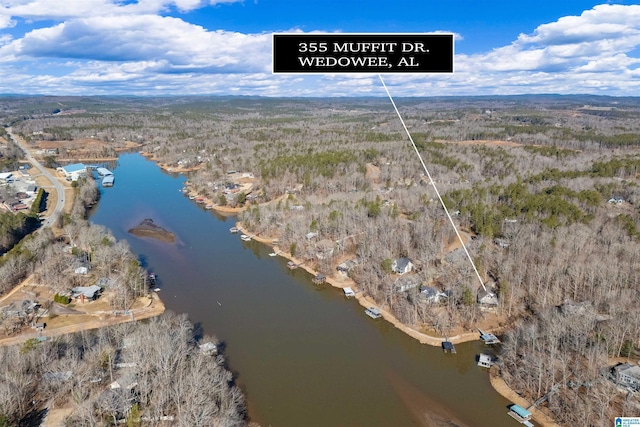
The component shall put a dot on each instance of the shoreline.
(497, 383)
(501, 387)
(366, 301)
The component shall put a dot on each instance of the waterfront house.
(487, 298)
(432, 295)
(402, 265)
(89, 292)
(345, 267)
(325, 249)
(627, 375)
(73, 171)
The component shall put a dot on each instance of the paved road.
(57, 185)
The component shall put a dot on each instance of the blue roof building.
(73, 171)
(519, 413)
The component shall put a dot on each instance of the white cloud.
(6, 21)
(172, 44)
(69, 9)
(106, 47)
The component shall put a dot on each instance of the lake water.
(302, 353)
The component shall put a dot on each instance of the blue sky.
(223, 47)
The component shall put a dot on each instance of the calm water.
(303, 354)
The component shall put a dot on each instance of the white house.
(487, 298)
(73, 171)
(402, 265)
(432, 295)
(628, 375)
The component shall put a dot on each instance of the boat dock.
(319, 279)
(373, 312)
(488, 338)
(447, 346)
(348, 292)
(485, 360)
(520, 414)
(108, 180)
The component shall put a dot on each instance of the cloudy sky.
(223, 47)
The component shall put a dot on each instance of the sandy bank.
(498, 383)
(147, 228)
(501, 387)
(365, 301)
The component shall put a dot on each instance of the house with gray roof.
(402, 265)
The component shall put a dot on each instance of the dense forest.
(543, 188)
(118, 374)
(121, 374)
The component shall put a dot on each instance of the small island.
(148, 229)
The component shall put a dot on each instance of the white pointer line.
(434, 185)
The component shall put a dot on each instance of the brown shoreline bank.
(147, 228)
(498, 384)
